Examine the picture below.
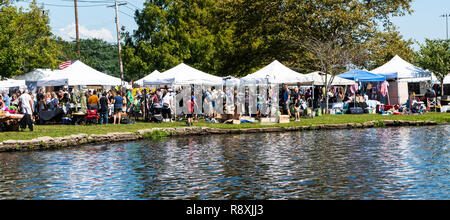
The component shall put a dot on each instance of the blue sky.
(425, 21)
(94, 17)
(97, 20)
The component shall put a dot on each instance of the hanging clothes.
(384, 88)
(353, 89)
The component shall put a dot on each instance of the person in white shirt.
(172, 103)
(167, 102)
(26, 106)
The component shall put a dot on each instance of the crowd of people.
(114, 104)
(19, 102)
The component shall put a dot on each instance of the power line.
(126, 14)
(85, 1)
(70, 6)
(130, 8)
(132, 4)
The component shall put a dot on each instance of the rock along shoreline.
(49, 143)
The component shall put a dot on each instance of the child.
(190, 106)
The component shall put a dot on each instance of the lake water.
(382, 163)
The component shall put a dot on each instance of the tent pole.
(145, 105)
(312, 101)
(354, 100)
(388, 96)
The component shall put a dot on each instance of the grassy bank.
(55, 131)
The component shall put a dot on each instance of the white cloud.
(69, 33)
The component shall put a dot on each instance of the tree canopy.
(171, 32)
(385, 45)
(435, 56)
(229, 37)
(26, 41)
(237, 37)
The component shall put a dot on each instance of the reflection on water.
(385, 163)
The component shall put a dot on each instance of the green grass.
(64, 130)
(340, 119)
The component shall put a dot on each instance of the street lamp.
(446, 16)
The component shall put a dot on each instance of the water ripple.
(381, 163)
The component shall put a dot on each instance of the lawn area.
(340, 119)
(65, 130)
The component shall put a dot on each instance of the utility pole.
(77, 28)
(446, 21)
(116, 5)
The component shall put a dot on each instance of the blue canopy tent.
(362, 76)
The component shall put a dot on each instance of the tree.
(332, 56)
(171, 32)
(332, 35)
(385, 45)
(435, 56)
(26, 42)
(265, 30)
(256, 39)
(237, 37)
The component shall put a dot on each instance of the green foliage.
(55, 131)
(156, 135)
(171, 32)
(351, 24)
(26, 42)
(435, 56)
(385, 45)
(237, 37)
(229, 37)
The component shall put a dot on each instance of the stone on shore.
(430, 123)
(99, 138)
(369, 124)
(389, 122)
(118, 137)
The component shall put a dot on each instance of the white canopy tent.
(399, 69)
(275, 73)
(231, 81)
(184, 75)
(11, 83)
(79, 74)
(318, 79)
(153, 76)
(36, 75)
(433, 79)
(33, 77)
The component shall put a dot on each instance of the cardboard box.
(284, 119)
(268, 120)
(235, 122)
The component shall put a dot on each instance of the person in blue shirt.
(6, 99)
(286, 99)
(118, 104)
